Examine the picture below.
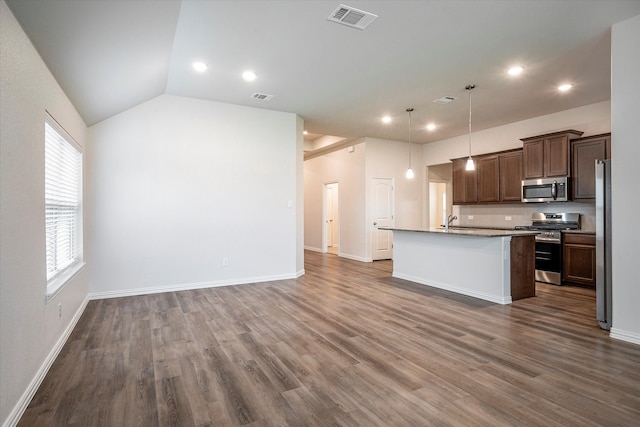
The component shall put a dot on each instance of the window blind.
(63, 171)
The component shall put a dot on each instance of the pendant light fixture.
(470, 165)
(409, 174)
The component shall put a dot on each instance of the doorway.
(331, 235)
(440, 192)
(437, 203)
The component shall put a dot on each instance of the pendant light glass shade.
(409, 173)
(470, 165)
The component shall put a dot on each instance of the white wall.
(390, 159)
(299, 196)
(31, 332)
(354, 172)
(178, 184)
(625, 155)
(591, 119)
(348, 170)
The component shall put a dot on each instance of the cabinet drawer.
(580, 239)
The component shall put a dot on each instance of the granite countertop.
(465, 231)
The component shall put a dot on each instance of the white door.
(331, 216)
(382, 208)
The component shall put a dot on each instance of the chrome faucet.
(450, 219)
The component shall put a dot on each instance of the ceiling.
(109, 56)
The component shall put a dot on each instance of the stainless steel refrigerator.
(603, 243)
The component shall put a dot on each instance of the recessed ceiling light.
(565, 87)
(249, 76)
(304, 132)
(514, 71)
(199, 66)
(386, 119)
(431, 127)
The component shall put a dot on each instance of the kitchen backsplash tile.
(520, 214)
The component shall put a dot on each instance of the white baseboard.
(354, 257)
(189, 286)
(632, 337)
(498, 299)
(340, 254)
(31, 390)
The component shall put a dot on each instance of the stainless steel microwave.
(545, 190)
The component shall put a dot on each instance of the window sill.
(57, 284)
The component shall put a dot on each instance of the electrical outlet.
(225, 261)
(59, 309)
(470, 217)
(507, 218)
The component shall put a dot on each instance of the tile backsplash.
(520, 214)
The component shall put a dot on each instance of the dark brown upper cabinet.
(547, 155)
(497, 178)
(488, 178)
(465, 184)
(584, 153)
(511, 176)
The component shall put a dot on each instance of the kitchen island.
(491, 264)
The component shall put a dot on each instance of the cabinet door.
(579, 259)
(488, 179)
(511, 177)
(533, 159)
(556, 156)
(580, 264)
(584, 156)
(464, 183)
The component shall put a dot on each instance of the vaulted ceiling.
(109, 56)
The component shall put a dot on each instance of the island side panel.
(473, 266)
(523, 266)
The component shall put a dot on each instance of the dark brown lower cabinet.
(579, 259)
(523, 266)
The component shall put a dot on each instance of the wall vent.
(262, 96)
(445, 99)
(352, 17)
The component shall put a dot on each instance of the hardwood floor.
(344, 345)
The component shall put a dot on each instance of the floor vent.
(262, 96)
(352, 17)
(445, 99)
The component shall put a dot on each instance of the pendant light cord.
(469, 88)
(409, 110)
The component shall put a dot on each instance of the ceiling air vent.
(262, 96)
(445, 99)
(352, 17)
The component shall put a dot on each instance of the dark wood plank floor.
(344, 345)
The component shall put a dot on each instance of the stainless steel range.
(549, 243)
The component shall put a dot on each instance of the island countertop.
(465, 231)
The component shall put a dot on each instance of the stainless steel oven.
(549, 243)
(549, 257)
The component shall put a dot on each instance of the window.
(63, 205)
